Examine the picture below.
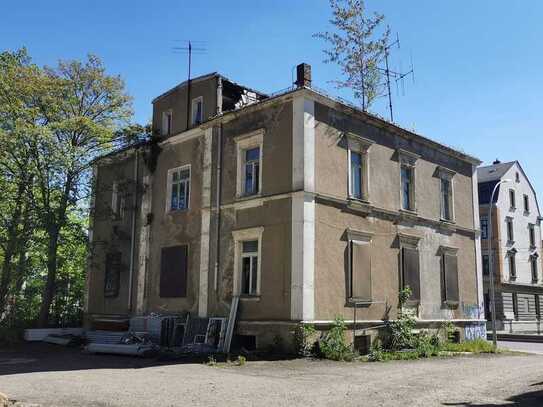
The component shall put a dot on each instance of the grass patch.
(475, 346)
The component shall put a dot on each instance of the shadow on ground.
(33, 357)
(528, 399)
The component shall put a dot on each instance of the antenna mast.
(189, 49)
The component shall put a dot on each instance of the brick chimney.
(303, 75)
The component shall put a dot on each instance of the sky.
(477, 85)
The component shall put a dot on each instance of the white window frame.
(526, 203)
(165, 131)
(448, 175)
(510, 236)
(532, 239)
(169, 181)
(359, 145)
(244, 143)
(512, 264)
(512, 199)
(534, 261)
(239, 237)
(193, 110)
(359, 238)
(484, 235)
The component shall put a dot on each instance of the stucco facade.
(300, 218)
(516, 247)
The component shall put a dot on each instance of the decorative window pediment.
(407, 157)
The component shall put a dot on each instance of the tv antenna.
(394, 75)
(190, 47)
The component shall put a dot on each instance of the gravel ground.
(52, 376)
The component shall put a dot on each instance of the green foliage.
(427, 345)
(53, 122)
(357, 46)
(400, 331)
(305, 339)
(211, 361)
(474, 346)
(334, 345)
(241, 360)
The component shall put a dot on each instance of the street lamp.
(490, 272)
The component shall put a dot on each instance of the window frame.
(194, 103)
(409, 242)
(118, 201)
(358, 145)
(484, 227)
(534, 268)
(244, 143)
(446, 175)
(240, 236)
(408, 160)
(512, 199)
(526, 204)
(486, 270)
(512, 264)
(510, 230)
(361, 238)
(443, 252)
(167, 125)
(531, 236)
(169, 187)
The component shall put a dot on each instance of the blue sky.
(477, 87)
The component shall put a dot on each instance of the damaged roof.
(203, 78)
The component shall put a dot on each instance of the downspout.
(218, 208)
(133, 232)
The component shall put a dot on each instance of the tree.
(357, 48)
(61, 118)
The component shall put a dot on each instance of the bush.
(400, 331)
(333, 345)
(427, 345)
(305, 340)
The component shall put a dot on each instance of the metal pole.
(388, 87)
(490, 271)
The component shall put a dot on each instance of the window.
(359, 255)
(512, 265)
(526, 204)
(449, 276)
(356, 175)
(112, 274)
(486, 265)
(510, 230)
(484, 227)
(512, 199)
(531, 230)
(533, 263)
(117, 201)
(247, 261)
(249, 164)
(173, 271)
(517, 177)
(249, 267)
(178, 188)
(358, 153)
(407, 162)
(167, 123)
(251, 185)
(407, 188)
(410, 265)
(197, 110)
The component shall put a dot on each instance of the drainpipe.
(133, 232)
(218, 206)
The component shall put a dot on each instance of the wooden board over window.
(361, 271)
(112, 275)
(450, 268)
(173, 271)
(410, 272)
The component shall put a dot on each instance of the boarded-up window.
(112, 274)
(360, 271)
(449, 264)
(173, 271)
(410, 272)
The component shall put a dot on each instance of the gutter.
(218, 208)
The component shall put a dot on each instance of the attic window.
(167, 123)
(517, 177)
(197, 110)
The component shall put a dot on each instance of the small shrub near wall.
(333, 344)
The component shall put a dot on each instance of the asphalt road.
(51, 376)
(529, 347)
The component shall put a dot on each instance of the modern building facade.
(304, 207)
(515, 245)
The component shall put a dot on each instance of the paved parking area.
(52, 376)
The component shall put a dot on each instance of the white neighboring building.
(516, 245)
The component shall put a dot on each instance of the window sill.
(447, 221)
(451, 304)
(247, 197)
(359, 205)
(245, 297)
(408, 213)
(174, 211)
